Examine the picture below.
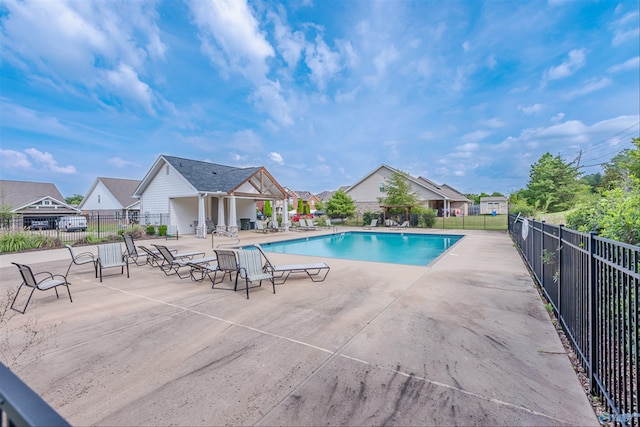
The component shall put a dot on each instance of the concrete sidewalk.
(465, 341)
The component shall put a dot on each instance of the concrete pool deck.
(465, 341)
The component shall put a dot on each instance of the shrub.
(368, 216)
(162, 230)
(427, 219)
(151, 230)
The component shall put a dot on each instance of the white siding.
(101, 199)
(155, 199)
(183, 212)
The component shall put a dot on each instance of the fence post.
(593, 315)
(560, 229)
(98, 226)
(544, 285)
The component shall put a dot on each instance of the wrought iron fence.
(593, 285)
(21, 406)
(80, 228)
(462, 222)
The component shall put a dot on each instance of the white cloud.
(591, 86)
(47, 161)
(322, 61)
(565, 134)
(290, 44)
(231, 35)
(276, 158)
(474, 136)
(268, 98)
(121, 163)
(11, 159)
(530, 109)
(493, 123)
(576, 60)
(558, 117)
(70, 43)
(386, 57)
(628, 65)
(124, 82)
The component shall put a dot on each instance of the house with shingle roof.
(442, 198)
(113, 197)
(34, 201)
(193, 193)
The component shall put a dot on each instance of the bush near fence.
(593, 285)
(18, 233)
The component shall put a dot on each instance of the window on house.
(46, 202)
(98, 198)
(166, 169)
(381, 187)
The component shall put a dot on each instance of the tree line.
(607, 203)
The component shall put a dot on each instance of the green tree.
(341, 205)
(553, 184)
(74, 200)
(267, 209)
(399, 193)
(300, 207)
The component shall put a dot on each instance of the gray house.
(34, 201)
(196, 195)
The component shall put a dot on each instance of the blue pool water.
(396, 248)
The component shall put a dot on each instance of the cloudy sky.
(320, 92)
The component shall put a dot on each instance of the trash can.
(245, 223)
(253, 225)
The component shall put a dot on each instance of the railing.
(463, 222)
(593, 286)
(83, 227)
(21, 406)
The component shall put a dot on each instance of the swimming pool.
(395, 248)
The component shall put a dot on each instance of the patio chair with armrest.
(251, 270)
(173, 263)
(81, 259)
(317, 271)
(227, 263)
(30, 280)
(110, 255)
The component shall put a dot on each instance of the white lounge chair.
(374, 223)
(313, 270)
(251, 270)
(403, 225)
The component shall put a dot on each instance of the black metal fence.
(21, 406)
(462, 222)
(80, 228)
(593, 285)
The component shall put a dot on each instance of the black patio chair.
(30, 280)
(174, 262)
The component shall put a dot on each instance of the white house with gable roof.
(193, 194)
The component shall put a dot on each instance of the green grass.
(481, 222)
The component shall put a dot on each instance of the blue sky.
(321, 93)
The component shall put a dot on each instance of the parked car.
(72, 223)
(319, 213)
(40, 224)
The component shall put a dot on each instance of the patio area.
(465, 341)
